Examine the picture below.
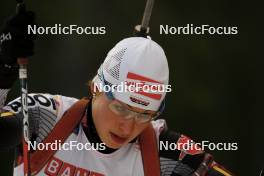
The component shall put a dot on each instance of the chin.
(112, 146)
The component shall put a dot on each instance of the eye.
(145, 116)
(120, 108)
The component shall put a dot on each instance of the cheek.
(102, 113)
(99, 110)
(102, 117)
(138, 129)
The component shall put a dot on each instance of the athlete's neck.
(91, 133)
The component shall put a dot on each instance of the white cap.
(136, 60)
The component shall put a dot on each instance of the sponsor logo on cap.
(151, 84)
(139, 101)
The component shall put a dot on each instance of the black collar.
(91, 133)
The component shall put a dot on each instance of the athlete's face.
(113, 128)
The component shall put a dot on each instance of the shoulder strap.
(61, 131)
(149, 152)
(71, 119)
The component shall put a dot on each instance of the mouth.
(117, 139)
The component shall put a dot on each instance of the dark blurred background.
(216, 79)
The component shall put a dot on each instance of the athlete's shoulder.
(180, 155)
(159, 126)
(44, 110)
(55, 104)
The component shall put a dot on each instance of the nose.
(127, 126)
